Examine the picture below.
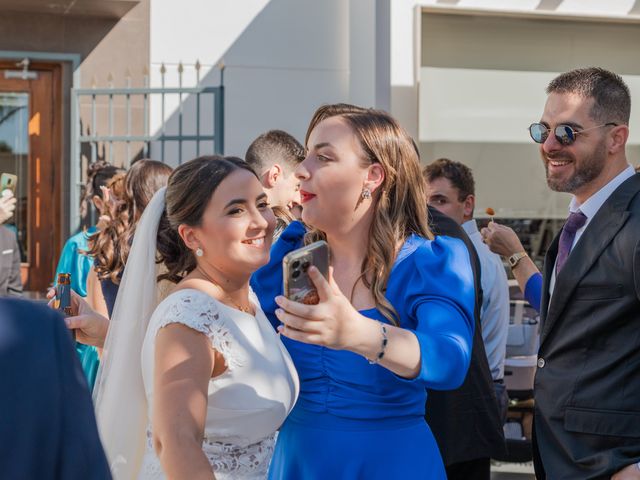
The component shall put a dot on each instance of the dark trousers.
(503, 399)
(478, 469)
(537, 459)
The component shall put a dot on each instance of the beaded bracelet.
(383, 347)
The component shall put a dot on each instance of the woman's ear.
(375, 176)
(189, 236)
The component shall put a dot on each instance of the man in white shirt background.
(451, 190)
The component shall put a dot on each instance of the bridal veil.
(119, 396)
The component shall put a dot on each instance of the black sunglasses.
(565, 134)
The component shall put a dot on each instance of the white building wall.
(283, 58)
(406, 42)
(480, 81)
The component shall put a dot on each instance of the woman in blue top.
(74, 259)
(395, 316)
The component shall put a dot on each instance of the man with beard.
(587, 386)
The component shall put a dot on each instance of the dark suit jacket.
(466, 422)
(10, 282)
(587, 387)
(47, 426)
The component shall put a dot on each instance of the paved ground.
(512, 471)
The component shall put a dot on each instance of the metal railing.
(93, 138)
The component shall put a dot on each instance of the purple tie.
(574, 223)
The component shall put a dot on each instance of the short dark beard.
(590, 168)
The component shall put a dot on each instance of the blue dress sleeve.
(73, 261)
(67, 258)
(266, 282)
(533, 291)
(440, 299)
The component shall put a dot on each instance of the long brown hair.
(400, 203)
(110, 246)
(189, 190)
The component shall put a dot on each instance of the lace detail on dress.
(227, 460)
(202, 315)
(250, 460)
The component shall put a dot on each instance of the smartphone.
(297, 284)
(8, 181)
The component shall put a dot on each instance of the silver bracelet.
(638, 466)
(383, 346)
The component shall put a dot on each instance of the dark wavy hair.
(110, 246)
(98, 175)
(189, 190)
(460, 176)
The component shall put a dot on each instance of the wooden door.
(30, 147)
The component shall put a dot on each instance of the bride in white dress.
(197, 386)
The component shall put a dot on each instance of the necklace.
(226, 295)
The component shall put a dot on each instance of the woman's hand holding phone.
(332, 323)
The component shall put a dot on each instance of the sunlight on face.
(285, 193)
(237, 225)
(332, 177)
(444, 197)
(570, 167)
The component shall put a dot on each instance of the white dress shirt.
(590, 208)
(494, 314)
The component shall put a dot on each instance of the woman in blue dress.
(395, 316)
(74, 259)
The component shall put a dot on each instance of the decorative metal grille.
(114, 124)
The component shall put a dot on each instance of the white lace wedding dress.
(248, 402)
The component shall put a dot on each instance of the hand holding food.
(501, 239)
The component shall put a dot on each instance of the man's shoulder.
(634, 206)
(441, 224)
(80, 241)
(625, 200)
(24, 315)
(633, 221)
(6, 232)
(7, 237)
(627, 195)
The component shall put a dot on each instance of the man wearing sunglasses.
(587, 387)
